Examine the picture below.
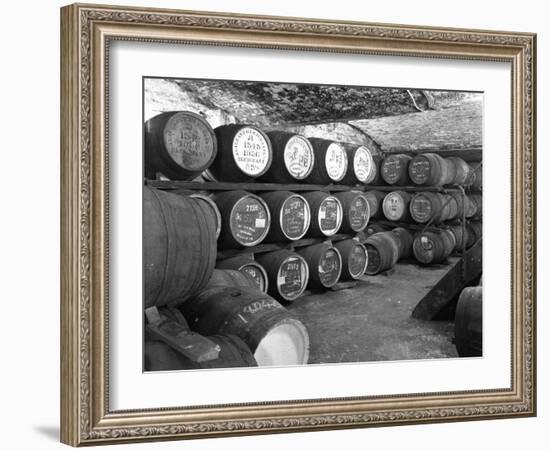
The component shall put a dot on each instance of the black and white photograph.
(290, 224)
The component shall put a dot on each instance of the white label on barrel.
(362, 164)
(291, 277)
(330, 216)
(188, 141)
(394, 206)
(294, 218)
(249, 221)
(251, 151)
(298, 157)
(336, 162)
(330, 267)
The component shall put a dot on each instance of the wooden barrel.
(244, 152)
(475, 230)
(287, 272)
(394, 169)
(246, 265)
(461, 236)
(324, 263)
(231, 277)
(356, 211)
(462, 170)
(179, 144)
(477, 202)
(432, 207)
(245, 219)
(331, 162)
(179, 246)
(430, 169)
(460, 203)
(273, 334)
(405, 240)
(215, 210)
(375, 227)
(476, 178)
(469, 322)
(383, 252)
(233, 353)
(375, 199)
(362, 165)
(354, 258)
(326, 214)
(432, 247)
(290, 216)
(293, 158)
(396, 206)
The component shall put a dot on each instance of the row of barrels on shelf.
(281, 216)
(182, 146)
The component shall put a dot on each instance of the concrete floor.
(372, 321)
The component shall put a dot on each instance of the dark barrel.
(462, 170)
(405, 240)
(326, 214)
(432, 247)
(233, 353)
(362, 165)
(396, 206)
(207, 199)
(179, 144)
(433, 207)
(354, 258)
(287, 272)
(383, 252)
(273, 334)
(293, 158)
(244, 152)
(476, 202)
(245, 219)
(394, 169)
(290, 216)
(375, 199)
(461, 236)
(331, 162)
(179, 246)
(246, 265)
(356, 211)
(430, 169)
(231, 277)
(469, 322)
(475, 230)
(325, 264)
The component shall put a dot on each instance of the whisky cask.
(362, 165)
(324, 263)
(290, 216)
(462, 171)
(248, 266)
(396, 206)
(331, 162)
(430, 169)
(375, 199)
(245, 219)
(287, 272)
(231, 277)
(178, 144)
(394, 169)
(383, 252)
(469, 322)
(293, 158)
(326, 214)
(209, 203)
(355, 211)
(354, 258)
(273, 334)
(432, 247)
(179, 246)
(433, 207)
(244, 153)
(405, 240)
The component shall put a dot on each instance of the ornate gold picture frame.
(87, 31)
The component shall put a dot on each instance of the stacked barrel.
(277, 214)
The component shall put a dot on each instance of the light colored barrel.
(245, 219)
(396, 206)
(287, 272)
(179, 246)
(362, 165)
(273, 334)
(178, 144)
(462, 170)
(326, 214)
(331, 162)
(290, 216)
(244, 153)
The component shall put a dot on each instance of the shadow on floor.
(49, 431)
